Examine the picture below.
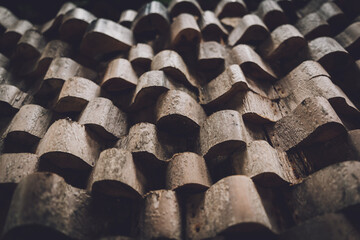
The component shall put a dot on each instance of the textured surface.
(225, 119)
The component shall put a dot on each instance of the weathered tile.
(12, 98)
(30, 45)
(115, 174)
(29, 125)
(250, 29)
(141, 55)
(264, 164)
(55, 23)
(161, 217)
(211, 27)
(152, 17)
(211, 55)
(222, 133)
(285, 41)
(102, 116)
(228, 83)
(15, 166)
(169, 106)
(187, 172)
(184, 30)
(272, 14)
(177, 7)
(230, 8)
(332, 14)
(231, 205)
(53, 49)
(150, 86)
(113, 38)
(323, 87)
(314, 120)
(313, 26)
(172, 64)
(119, 75)
(68, 145)
(61, 69)
(13, 34)
(328, 52)
(252, 64)
(74, 24)
(330, 189)
(127, 17)
(44, 206)
(143, 142)
(75, 94)
(350, 38)
(7, 19)
(178, 112)
(255, 108)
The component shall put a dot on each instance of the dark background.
(40, 11)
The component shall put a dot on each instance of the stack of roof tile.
(239, 122)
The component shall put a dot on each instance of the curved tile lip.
(224, 147)
(276, 180)
(65, 160)
(136, 103)
(190, 188)
(209, 23)
(158, 12)
(119, 38)
(276, 53)
(76, 19)
(245, 38)
(101, 131)
(70, 104)
(341, 105)
(184, 28)
(258, 118)
(178, 109)
(338, 56)
(192, 7)
(252, 64)
(13, 106)
(248, 227)
(30, 138)
(189, 125)
(116, 84)
(266, 75)
(110, 122)
(320, 136)
(236, 87)
(115, 188)
(150, 158)
(240, 9)
(174, 66)
(79, 14)
(250, 29)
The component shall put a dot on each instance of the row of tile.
(45, 200)
(181, 126)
